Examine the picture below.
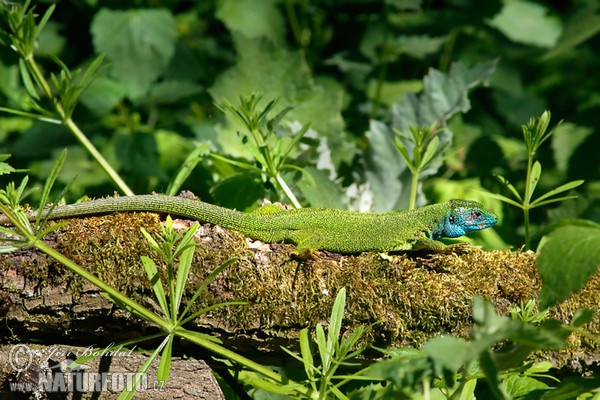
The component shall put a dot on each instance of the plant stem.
(413, 190)
(288, 192)
(79, 135)
(527, 198)
(98, 157)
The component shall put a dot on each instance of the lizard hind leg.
(307, 245)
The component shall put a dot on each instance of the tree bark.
(406, 299)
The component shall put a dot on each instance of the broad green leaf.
(103, 94)
(583, 316)
(139, 44)
(527, 23)
(443, 95)
(569, 256)
(517, 385)
(449, 351)
(170, 92)
(386, 171)
(319, 190)
(253, 18)
(566, 139)
(578, 28)
(418, 46)
(285, 75)
(238, 191)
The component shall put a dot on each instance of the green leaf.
(571, 248)
(443, 95)
(285, 75)
(555, 191)
(571, 387)
(516, 385)
(449, 351)
(170, 92)
(239, 191)
(253, 19)
(566, 139)
(183, 269)
(139, 44)
(307, 357)
(527, 23)
(578, 28)
(157, 286)
(319, 190)
(534, 178)
(583, 316)
(103, 94)
(164, 366)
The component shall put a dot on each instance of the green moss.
(406, 298)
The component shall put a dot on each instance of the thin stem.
(527, 199)
(98, 157)
(288, 192)
(413, 190)
(526, 216)
(39, 77)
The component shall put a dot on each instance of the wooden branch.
(405, 298)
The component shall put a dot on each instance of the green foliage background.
(348, 68)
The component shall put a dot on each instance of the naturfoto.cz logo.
(67, 376)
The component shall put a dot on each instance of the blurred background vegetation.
(349, 68)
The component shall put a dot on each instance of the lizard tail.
(174, 205)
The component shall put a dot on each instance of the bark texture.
(405, 298)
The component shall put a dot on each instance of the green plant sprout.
(334, 352)
(52, 101)
(534, 134)
(526, 312)
(425, 150)
(269, 150)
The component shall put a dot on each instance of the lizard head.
(462, 217)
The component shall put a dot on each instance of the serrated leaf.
(516, 385)
(443, 95)
(278, 73)
(571, 248)
(384, 166)
(139, 44)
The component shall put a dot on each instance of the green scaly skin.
(310, 228)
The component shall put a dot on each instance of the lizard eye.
(476, 214)
(451, 219)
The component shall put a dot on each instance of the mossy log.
(406, 298)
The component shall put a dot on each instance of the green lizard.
(310, 228)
